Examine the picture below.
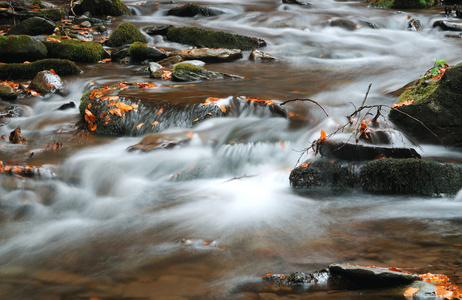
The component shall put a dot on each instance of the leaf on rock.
(410, 291)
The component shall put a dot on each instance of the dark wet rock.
(213, 39)
(189, 72)
(102, 8)
(158, 30)
(385, 176)
(101, 28)
(120, 53)
(19, 48)
(403, 4)
(126, 33)
(47, 82)
(295, 2)
(191, 10)
(155, 70)
(7, 92)
(414, 25)
(260, 55)
(54, 14)
(372, 276)
(28, 71)
(345, 24)
(140, 52)
(209, 55)
(16, 136)
(437, 104)
(170, 61)
(448, 26)
(356, 152)
(85, 24)
(68, 105)
(78, 51)
(33, 26)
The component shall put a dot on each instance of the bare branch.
(304, 99)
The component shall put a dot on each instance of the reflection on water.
(109, 223)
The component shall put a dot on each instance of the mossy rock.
(191, 10)
(102, 7)
(75, 50)
(19, 48)
(126, 33)
(29, 71)
(411, 176)
(33, 26)
(54, 14)
(402, 4)
(323, 174)
(213, 39)
(437, 104)
(139, 52)
(189, 72)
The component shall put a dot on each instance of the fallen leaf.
(410, 291)
(160, 111)
(139, 126)
(155, 123)
(305, 165)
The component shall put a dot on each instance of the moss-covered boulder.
(102, 8)
(33, 26)
(126, 33)
(191, 10)
(437, 103)
(384, 176)
(75, 50)
(54, 14)
(28, 71)
(140, 52)
(403, 4)
(19, 48)
(189, 72)
(212, 39)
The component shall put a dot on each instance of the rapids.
(108, 223)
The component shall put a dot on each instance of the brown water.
(109, 223)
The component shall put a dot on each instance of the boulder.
(170, 61)
(19, 48)
(102, 8)
(140, 52)
(191, 10)
(126, 33)
(403, 4)
(385, 176)
(28, 71)
(33, 26)
(48, 82)
(54, 14)
(212, 39)
(257, 55)
(188, 72)
(75, 50)
(7, 92)
(437, 103)
(447, 26)
(295, 2)
(158, 30)
(209, 55)
(155, 70)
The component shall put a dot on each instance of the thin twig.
(240, 177)
(305, 99)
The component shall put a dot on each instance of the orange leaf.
(124, 106)
(106, 120)
(323, 137)
(305, 165)
(139, 126)
(155, 123)
(410, 291)
(443, 293)
(117, 111)
(160, 111)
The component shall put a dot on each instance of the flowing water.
(207, 219)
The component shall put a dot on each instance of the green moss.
(420, 92)
(138, 51)
(102, 8)
(28, 71)
(411, 176)
(187, 67)
(212, 39)
(126, 33)
(19, 48)
(79, 51)
(402, 4)
(55, 14)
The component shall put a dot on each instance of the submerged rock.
(191, 10)
(28, 71)
(126, 33)
(385, 176)
(295, 2)
(47, 82)
(20, 48)
(33, 26)
(188, 72)
(437, 103)
(208, 55)
(212, 39)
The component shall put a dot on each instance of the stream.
(208, 219)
